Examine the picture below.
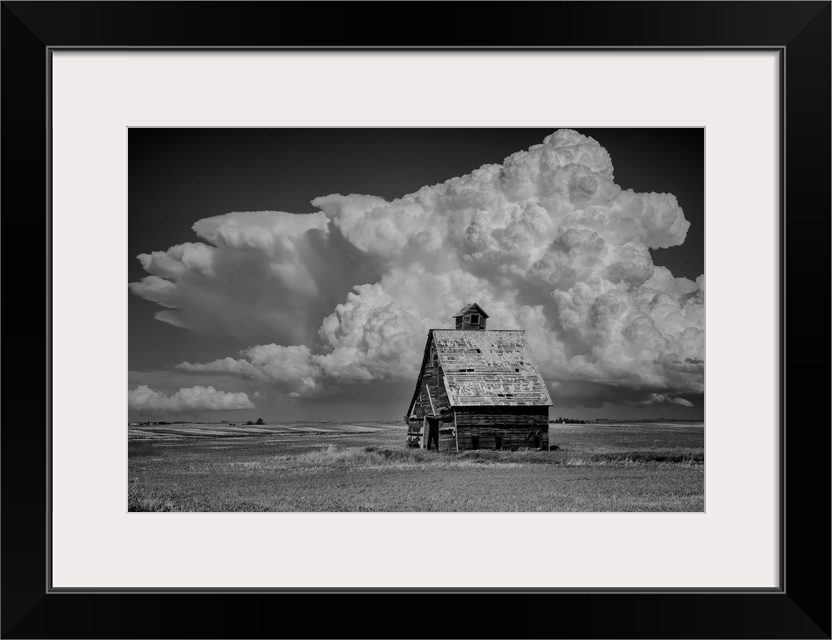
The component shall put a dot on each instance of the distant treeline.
(560, 420)
(648, 420)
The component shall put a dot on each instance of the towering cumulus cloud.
(545, 242)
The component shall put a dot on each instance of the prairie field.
(365, 466)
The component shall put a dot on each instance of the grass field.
(366, 467)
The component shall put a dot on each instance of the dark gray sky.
(180, 176)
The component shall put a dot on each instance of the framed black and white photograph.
(331, 315)
(536, 318)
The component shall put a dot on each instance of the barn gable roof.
(485, 368)
(471, 308)
(489, 368)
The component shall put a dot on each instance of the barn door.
(433, 433)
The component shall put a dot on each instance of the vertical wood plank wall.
(433, 378)
(447, 440)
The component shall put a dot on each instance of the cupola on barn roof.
(472, 317)
(472, 308)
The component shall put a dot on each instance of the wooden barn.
(478, 389)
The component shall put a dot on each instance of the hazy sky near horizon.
(294, 273)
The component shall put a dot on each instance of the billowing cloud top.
(545, 242)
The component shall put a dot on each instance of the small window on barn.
(475, 318)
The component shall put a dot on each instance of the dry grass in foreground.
(178, 477)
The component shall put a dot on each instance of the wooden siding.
(516, 425)
(447, 438)
(432, 397)
(417, 433)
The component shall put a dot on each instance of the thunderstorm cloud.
(345, 294)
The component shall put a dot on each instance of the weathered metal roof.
(489, 368)
(473, 307)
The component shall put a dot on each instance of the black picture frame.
(799, 608)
